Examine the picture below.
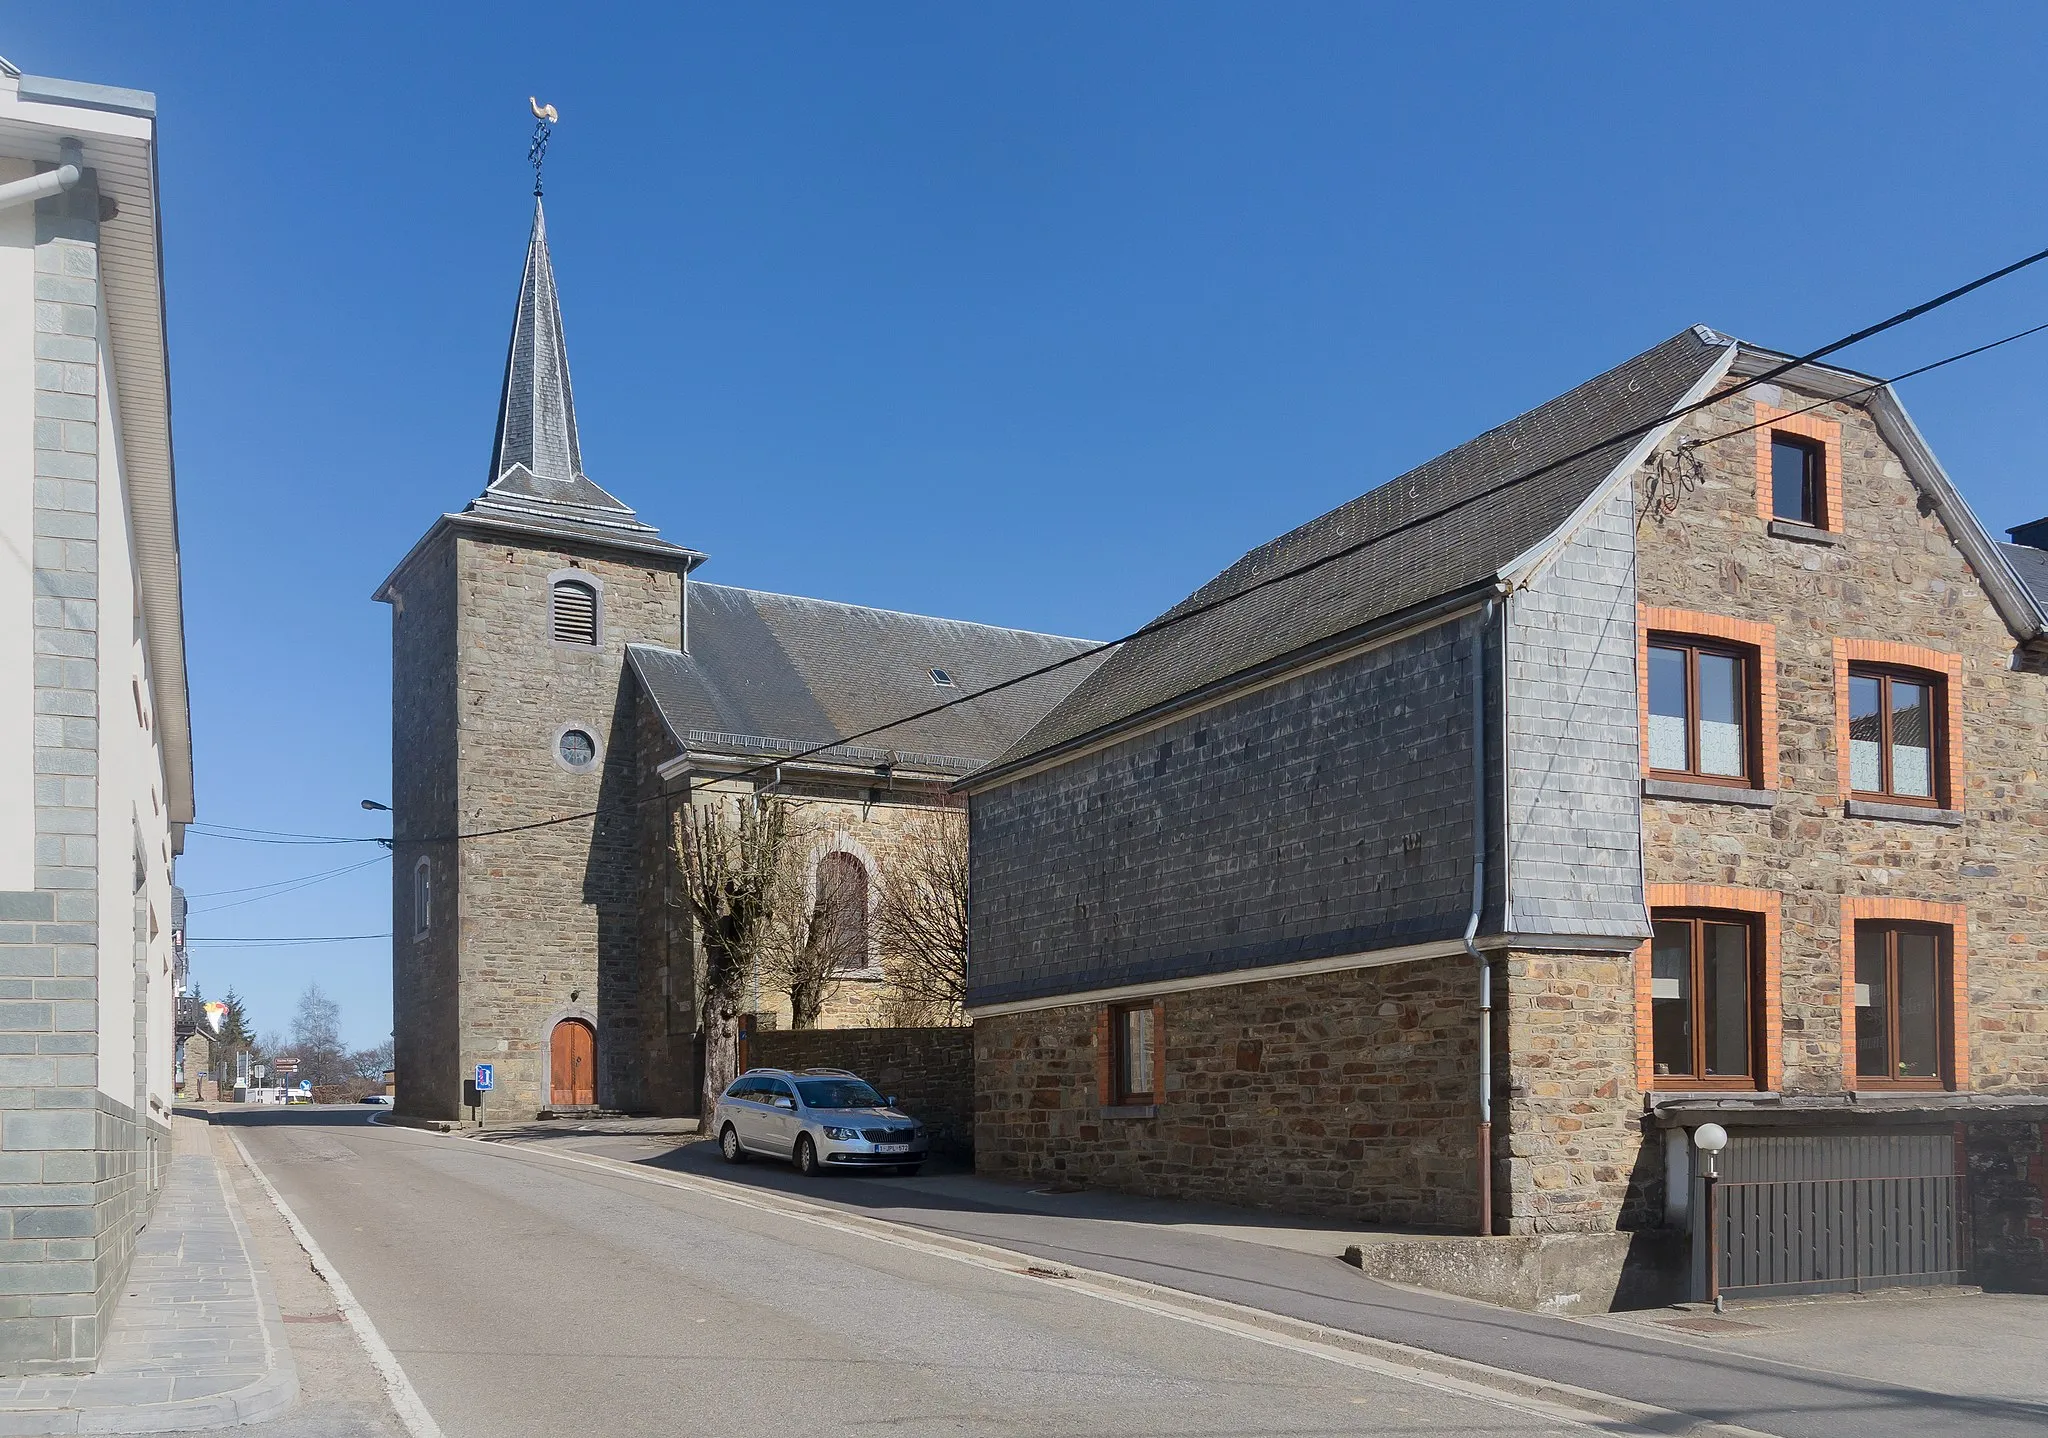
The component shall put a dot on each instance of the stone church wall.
(550, 915)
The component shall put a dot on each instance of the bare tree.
(733, 855)
(819, 936)
(921, 918)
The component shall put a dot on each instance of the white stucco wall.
(17, 537)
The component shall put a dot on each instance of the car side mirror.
(890, 1100)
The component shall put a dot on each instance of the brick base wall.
(930, 1072)
(1349, 1095)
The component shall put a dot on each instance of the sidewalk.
(196, 1339)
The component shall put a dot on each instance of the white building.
(95, 730)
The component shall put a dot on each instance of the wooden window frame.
(1759, 645)
(1955, 989)
(1936, 686)
(1752, 759)
(1813, 479)
(1944, 673)
(1826, 434)
(1761, 907)
(1110, 1052)
(1696, 1081)
(1944, 1021)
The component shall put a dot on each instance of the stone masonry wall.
(424, 1002)
(929, 1072)
(1888, 573)
(1348, 1094)
(550, 916)
(2007, 1188)
(1325, 815)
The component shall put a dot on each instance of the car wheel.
(729, 1145)
(807, 1157)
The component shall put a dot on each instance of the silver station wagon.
(822, 1120)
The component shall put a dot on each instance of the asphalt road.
(528, 1295)
(1994, 1384)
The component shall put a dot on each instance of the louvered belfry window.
(575, 612)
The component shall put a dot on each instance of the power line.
(287, 939)
(268, 836)
(1181, 616)
(288, 886)
(252, 888)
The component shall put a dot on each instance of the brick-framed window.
(1898, 726)
(1799, 450)
(1708, 1014)
(1131, 1054)
(1699, 676)
(1905, 994)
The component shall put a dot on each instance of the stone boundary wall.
(2008, 1204)
(930, 1071)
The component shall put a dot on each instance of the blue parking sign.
(483, 1078)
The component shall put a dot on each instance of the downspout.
(50, 182)
(1478, 672)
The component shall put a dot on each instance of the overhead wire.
(1180, 616)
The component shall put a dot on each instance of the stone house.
(95, 725)
(560, 683)
(1452, 858)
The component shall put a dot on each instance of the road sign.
(483, 1078)
(285, 1066)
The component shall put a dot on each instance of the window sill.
(1799, 533)
(1902, 813)
(1130, 1110)
(1709, 793)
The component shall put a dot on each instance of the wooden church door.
(572, 1065)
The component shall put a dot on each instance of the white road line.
(411, 1411)
(1538, 1397)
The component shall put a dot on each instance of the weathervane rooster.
(544, 119)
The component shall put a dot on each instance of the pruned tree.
(921, 918)
(734, 859)
(820, 932)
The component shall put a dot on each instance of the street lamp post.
(1710, 1139)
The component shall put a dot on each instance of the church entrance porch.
(572, 1065)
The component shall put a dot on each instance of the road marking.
(1538, 1397)
(404, 1398)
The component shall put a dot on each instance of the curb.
(266, 1397)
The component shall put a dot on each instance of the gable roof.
(2031, 565)
(1439, 529)
(772, 674)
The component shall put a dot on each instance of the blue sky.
(1038, 315)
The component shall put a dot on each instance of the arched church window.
(840, 920)
(573, 612)
(422, 896)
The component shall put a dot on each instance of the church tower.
(515, 888)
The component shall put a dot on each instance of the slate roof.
(1406, 563)
(772, 674)
(536, 458)
(2032, 567)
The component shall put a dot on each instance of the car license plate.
(892, 1148)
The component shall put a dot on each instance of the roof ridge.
(900, 613)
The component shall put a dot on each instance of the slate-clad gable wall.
(1326, 815)
(1574, 796)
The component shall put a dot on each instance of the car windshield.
(838, 1093)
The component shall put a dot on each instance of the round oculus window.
(578, 749)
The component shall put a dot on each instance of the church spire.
(537, 411)
(536, 459)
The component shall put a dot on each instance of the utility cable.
(1180, 616)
